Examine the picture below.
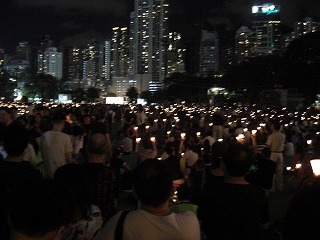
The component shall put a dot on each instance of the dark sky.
(77, 22)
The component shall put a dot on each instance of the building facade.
(209, 53)
(266, 30)
(52, 62)
(150, 36)
(243, 44)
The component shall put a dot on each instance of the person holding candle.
(276, 144)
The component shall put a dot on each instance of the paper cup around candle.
(135, 128)
(288, 168)
(309, 142)
(198, 134)
(298, 165)
(315, 164)
(183, 135)
(138, 140)
(220, 140)
(152, 139)
(254, 132)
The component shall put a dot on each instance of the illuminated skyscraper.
(23, 51)
(209, 53)
(305, 26)
(175, 54)
(107, 62)
(266, 29)
(150, 38)
(119, 52)
(52, 63)
(243, 44)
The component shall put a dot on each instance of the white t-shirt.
(191, 157)
(141, 118)
(141, 225)
(53, 146)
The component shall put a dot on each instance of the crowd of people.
(196, 172)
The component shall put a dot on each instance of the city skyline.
(76, 23)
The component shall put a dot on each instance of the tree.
(301, 69)
(41, 86)
(92, 94)
(78, 95)
(132, 94)
(7, 86)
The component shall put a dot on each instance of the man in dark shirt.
(14, 172)
(234, 209)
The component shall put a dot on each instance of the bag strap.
(118, 234)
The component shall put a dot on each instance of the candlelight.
(315, 164)
(152, 139)
(298, 165)
(309, 142)
(254, 132)
(138, 140)
(183, 135)
(220, 140)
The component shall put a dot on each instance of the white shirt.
(141, 225)
(191, 158)
(53, 146)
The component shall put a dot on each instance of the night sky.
(77, 22)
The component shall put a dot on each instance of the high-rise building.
(1, 58)
(23, 51)
(175, 54)
(266, 29)
(150, 21)
(120, 52)
(45, 43)
(75, 64)
(92, 63)
(306, 26)
(107, 62)
(243, 44)
(209, 53)
(52, 60)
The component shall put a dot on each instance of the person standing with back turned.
(276, 144)
(154, 220)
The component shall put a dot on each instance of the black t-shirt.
(233, 211)
(13, 176)
(99, 127)
(174, 163)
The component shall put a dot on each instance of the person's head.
(97, 144)
(86, 119)
(58, 118)
(74, 178)
(302, 218)
(15, 140)
(5, 117)
(40, 211)
(236, 160)
(276, 126)
(152, 182)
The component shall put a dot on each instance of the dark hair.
(96, 144)
(57, 117)
(6, 109)
(237, 159)
(41, 208)
(153, 182)
(15, 139)
(74, 177)
(276, 126)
